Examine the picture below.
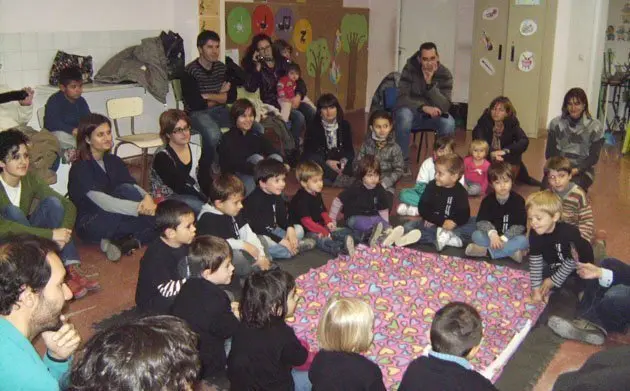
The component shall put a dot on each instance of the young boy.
(554, 247)
(502, 219)
(221, 217)
(163, 268)
(266, 210)
(456, 333)
(307, 208)
(444, 206)
(410, 198)
(206, 307)
(52, 218)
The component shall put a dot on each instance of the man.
(32, 295)
(424, 98)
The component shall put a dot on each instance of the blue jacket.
(61, 114)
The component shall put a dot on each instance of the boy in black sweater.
(206, 307)
(266, 210)
(444, 206)
(456, 334)
(163, 268)
(221, 217)
(502, 219)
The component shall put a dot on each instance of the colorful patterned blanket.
(406, 287)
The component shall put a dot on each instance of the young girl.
(366, 207)
(344, 332)
(265, 349)
(111, 208)
(380, 142)
(476, 168)
(283, 51)
(240, 149)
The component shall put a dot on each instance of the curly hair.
(10, 141)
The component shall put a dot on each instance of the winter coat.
(315, 141)
(414, 92)
(389, 156)
(378, 100)
(513, 137)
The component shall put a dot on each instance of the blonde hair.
(453, 162)
(346, 325)
(546, 201)
(307, 170)
(479, 143)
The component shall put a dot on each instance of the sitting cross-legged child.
(206, 307)
(163, 268)
(266, 210)
(502, 219)
(476, 168)
(365, 206)
(344, 333)
(444, 208)
(221, 217)
(307, 208)
(456, 333)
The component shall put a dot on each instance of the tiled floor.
(611, 204)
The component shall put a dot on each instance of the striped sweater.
(577, 211)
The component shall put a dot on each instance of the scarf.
(496, 137)
(330, 130)
(380, 143)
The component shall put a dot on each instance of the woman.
(328, 142)
(577, 136)
(111, 208)
(177, 166)
(500, 128)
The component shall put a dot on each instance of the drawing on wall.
(302, 35)
(621, 33)
(335, 69)
(490, 13)
(610, 33)
(487, 66)
(486, 41)
(317, 62)
(528, 27)
(526, 61)
(625, 13)
(527, 2)
(284, 23)
(263, 20)
(354, 35)
(239, 25)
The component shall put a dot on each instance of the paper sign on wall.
(487, 66)
(527, 2)
(528, 27)
(526, 61)
(490, 13)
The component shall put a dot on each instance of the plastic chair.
(130, 108)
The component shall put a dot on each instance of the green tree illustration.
(354, 35)
(317, 61)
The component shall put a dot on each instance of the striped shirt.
(577, 211)
(199, 80)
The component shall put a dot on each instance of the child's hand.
(263, 263)
(292, 237)
(428, 224)
(495, 241)
(588, 271)
(331, 226)
(286, 243)
(449, 224)
(235, 311)
(537, 297)
(251, 250)
(545, 288)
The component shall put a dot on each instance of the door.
(489, 50)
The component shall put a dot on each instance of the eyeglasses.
(260, 49)
(181, 130)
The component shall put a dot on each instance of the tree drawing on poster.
(335, 69)
(354, 35)
(239, 25)
(317, 62)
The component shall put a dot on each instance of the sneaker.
(517, 256)
(410, 237)
(407, 172)
(413, 211)
(78, 291)
(349, 245)
(578, 329)
(393, 236)
(474, 250)
(402, 209)
(441, 238)
(306, 244)
(454, 241)
(75, 273)
(376, 235)
(112, 252)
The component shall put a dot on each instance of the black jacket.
(513, 137)
(315, 141)
(341, 371)
(265, 212)
(358, 200)
(431, 373)
(235, 148)
(440, 203)
(608, 370)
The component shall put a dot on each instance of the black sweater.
(608, 370)
(177, 175)
(358, 200)
(265, 212)
(220, 225)
(502, 217)
(303, 204)
(262, 359)
(431, 373)
(206, 308)
(315, 141)
(235, 148)
(341, 371)
(438, 204)
(513, 137)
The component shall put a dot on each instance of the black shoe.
(127, 244)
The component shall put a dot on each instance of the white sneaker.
(402, 209)
(410, 237)
(454, 241)
(413, 211)
(442, 236)
(393, 236)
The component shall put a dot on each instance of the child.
(220, 217)
(344, 332)
(52, 218)
(444, 206)
(205, 306)
(163, 268)
(240, 149)
(380, 143)
(282, 52)
(411, 197)
(286, 90)
(307, 208)
(266, 210)
(265, 348)
(476, 168)
(554, 247)
(456, 333)
(502, 220)
(366, 205)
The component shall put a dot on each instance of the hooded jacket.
(389, 156)
(413, 91)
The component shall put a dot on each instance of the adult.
(424, 97)
(607, 370)
(176, 167)
(111, 208)
(576, 135)
(500, 128)
(32, 295)
(328, 142)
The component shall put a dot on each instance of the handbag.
(65, 60)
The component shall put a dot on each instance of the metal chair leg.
(419, 146)
(145, 162)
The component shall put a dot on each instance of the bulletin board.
(330, 42)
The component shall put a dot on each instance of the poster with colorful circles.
(239, 25)
(263, 20)
(284, 23)
(302, 35)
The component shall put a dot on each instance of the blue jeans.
(194, 202)
(301, 381)
(336, 243)
(48, 214)
(299, 118)
(248, 180)
(278, 251)
(513, 245)
(406, 119)
(429, 234)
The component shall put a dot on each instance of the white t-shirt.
(427, 172)
(13, 193)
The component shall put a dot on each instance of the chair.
(176, 85)
(40, 116)
(130, 108)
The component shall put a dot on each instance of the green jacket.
(34, 188)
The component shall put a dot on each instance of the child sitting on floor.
(456, 333)
(476, 168)
(502, 219)
(344, 332)
(205, 306)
